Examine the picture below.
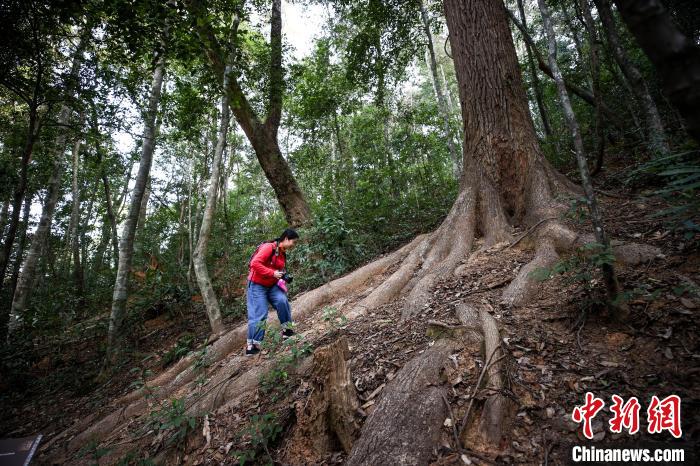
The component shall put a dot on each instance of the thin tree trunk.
(442, 102)
(111, 217)
(22, 244)
(594, 55)
(657, 135)
(584, 94)
(3, 216)
(74, 220)
(126, 244)
(18, 198)
(536, 86)
(675, 56)
(599, 231)
(200, 254)
(141, 223)
(23, 291)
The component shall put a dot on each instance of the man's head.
(288, 239)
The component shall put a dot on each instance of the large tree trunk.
(596, 218)
(657, 136)
(200, 253)
(126, 244)
(675, 56)
(442, 102)
(261, 134)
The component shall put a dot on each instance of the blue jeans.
(257, 298)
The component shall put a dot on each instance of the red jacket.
(266, 261)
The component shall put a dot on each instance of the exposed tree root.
(179, 378)
(498, 409)
(327, 420)
(407, 421)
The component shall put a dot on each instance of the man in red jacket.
(267, 268)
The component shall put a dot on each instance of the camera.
(287, 278)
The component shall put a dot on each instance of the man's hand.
(279, 274)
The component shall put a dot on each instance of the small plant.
(333, 318)
(582, 268)
(262, 432)
(578, 210)
(173, 417)
(286, 354)
(182, 347)
(94, 451)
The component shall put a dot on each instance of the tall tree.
(442, 101)
(598, 228)
(24, 287)
(262, 134)
(126, 243)
(655, 128)
(594, 57)
(200, 253)
(675, 56)
(536, 86)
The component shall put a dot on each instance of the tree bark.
(22, 244)
(75, 220)
(598, 228)
(200, 254)
(126, 244)
(23, 291)
(657, 136)
(442, 102)
(675, 56)
(584, 94)
(594, 56)
(261, 134)
(18, 197)
(536, 86)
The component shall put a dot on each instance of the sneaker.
(286, 333)
(251, 350)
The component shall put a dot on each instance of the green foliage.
(333, 318)
(286, 356)
(261, 433)
(173, 420)
(581, 268)
(679, 177)
(181, 349)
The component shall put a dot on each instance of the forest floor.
(558, 347)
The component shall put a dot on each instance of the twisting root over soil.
(498, 409)
(406, 424)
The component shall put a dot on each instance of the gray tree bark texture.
(26, 278)
(29, 267)
(596, 219)
(675, 56)
(656, 134)
(22, 243)
(441, 100)
(200, 253)
(75, 220)
(126, 243)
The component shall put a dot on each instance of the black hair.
(288, 233)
